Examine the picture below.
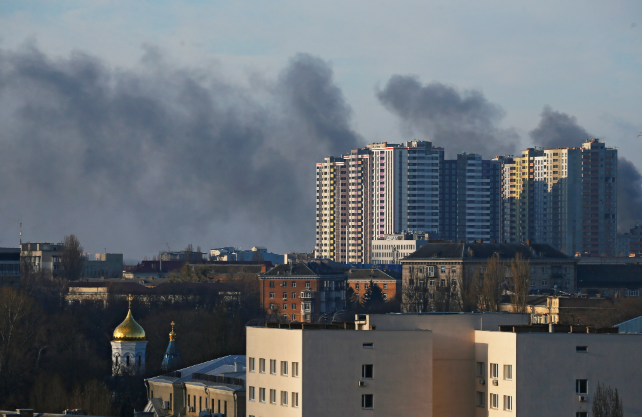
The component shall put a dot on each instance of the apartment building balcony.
(308, 294)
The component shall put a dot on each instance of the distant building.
(565, 197)
(303, 291)
(256, 254)
(10, 266)
(443, 265)
(630, 244)
(43, 256)
(105, 265)
(192, 257)
(216, 386)
(388, 281)
(611, 280)
(390, 249)
(153, 269)
(631, 326)
(545, 309)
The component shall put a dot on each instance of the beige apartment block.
(310, 371)
(545, 374)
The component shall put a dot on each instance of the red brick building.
(389, 282)
(303, 291)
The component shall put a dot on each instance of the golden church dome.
(129, 330)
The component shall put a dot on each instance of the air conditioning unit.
(581, 398)
(165, 405)
(495, 382)
(482, 381)
(361, 383)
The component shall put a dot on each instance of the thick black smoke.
(132, 159)
(459, 122)
(556, 129)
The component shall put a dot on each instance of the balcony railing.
(308, 294)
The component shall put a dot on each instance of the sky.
(142, 125)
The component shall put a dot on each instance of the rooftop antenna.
(20, 235)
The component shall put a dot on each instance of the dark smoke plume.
(556, 129)
(629, 195)
(130, 159)
(459, 122)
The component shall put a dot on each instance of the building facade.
(9, 266)
(390, 249)
(630, 244)
(42, 256)
(216, 387)
(388, 281)
(303, 292)
(447, 267)
(566, 197)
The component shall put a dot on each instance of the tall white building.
(375, 191)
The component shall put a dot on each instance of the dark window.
(581, 348)
(366, 371)
(367, 401)
(581, 386)
(271, 284)
(581, 414)
(368, 345)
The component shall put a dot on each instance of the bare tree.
(606, 402)
(520, 271)
(492, 283)
(71, 259)
(469, 290)
(415, 294)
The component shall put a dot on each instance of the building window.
(494, 370)
(295, 369)
(581, 348)
(272, 295)
(508, 403)
(581, 414)
(293, 307)
(284, 368)
(544, 283)
(431, 282)
(293, 284)
(443, 269)
(356, 286)
(293, 295)
(453, 269)
(385, 296)
(271, 306)
(272, 396)
(307, 317)
(508, 371)
(480, 399)
(581, 386)
(481, 369)
(284, 398)
(273, 366)
(285, 295)
(494, 401)
(251, 394)
(295, 399)
(365, 286)
(385, 286)
(367, 401)
(271, 284)
(293, 315)
(262, 365)
(285, 306)
(251, 364)
(262, 395)
(368, 345)
(366, 371)
(307, 284)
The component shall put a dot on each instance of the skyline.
(145, 97)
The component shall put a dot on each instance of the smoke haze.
(557, 129)
(459, 122)
(132, 159)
